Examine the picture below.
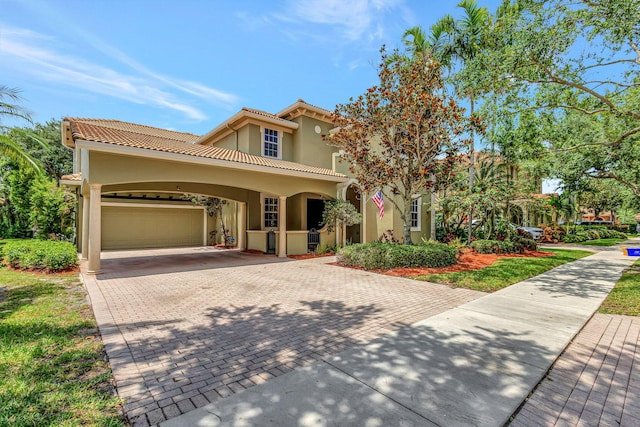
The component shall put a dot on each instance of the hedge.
(593, 234)
(388, 255)
(517, 244)
(40, 254)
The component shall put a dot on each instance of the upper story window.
(415, 214)
(271, 143)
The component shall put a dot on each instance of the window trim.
(263, 133)
(263, 205)
(418, 201)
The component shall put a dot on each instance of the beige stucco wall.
(296, 212)
(308, 146)
(114, 169)
(231, 142)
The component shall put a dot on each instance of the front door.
(314, 213)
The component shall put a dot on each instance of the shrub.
(518, 244)
(388, 255)
(593, 234)
(40, 254)
(522, 244)
(483, 246)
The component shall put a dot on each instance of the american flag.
(379, 201)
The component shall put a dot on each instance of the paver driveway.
(185, 327)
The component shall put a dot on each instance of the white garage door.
(125, 227)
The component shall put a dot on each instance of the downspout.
(236, 132)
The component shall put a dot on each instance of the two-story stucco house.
(273, 172)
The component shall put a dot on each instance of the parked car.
(536, 233)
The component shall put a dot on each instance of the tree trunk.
(406, 222)
(471, 175)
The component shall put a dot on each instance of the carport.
(131, 181)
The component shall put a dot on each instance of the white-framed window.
(270, 217)
(416, 214)
(270, 143)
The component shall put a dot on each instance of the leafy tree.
(571, 72)
(455, 42)
(52, 210)
(340, 212)
(16, 190)
(402, 132)
(601, 196)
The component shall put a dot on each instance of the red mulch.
(307, 256)
(66, 272)
(466, 261)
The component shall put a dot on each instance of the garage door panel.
(146, 227)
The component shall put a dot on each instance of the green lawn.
(505, 271)
(52, 371)
(625, 296)
(602, 242)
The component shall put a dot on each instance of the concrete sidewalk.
(472, 365)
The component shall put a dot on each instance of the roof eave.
(164, 155)
(326, 115)
(243, 114)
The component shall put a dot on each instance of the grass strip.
(625, 296)
(505, 271)
(52, 366)
(602, 242)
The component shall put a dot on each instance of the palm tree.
(10, 108)
(459, 42)
(454, 42)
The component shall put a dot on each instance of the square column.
(364, 198)
(282, 223)
(84, 246)
(242, 225)
(95, 228)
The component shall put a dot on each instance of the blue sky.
(188, 65)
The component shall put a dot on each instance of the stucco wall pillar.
(95, 228)
(282, 223)
(364, 198)
(84, 245)
(432, 210)
(242, 225)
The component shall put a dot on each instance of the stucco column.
(364, 198)
(84, 245)
(95, 228)
(344, 234)
(432, 212)
(242, 225)
(282, 223)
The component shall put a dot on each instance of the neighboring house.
(273, 171)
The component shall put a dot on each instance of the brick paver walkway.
(595, 382)
(183, 328)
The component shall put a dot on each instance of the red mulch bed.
(67, 271)
(307, 256)
(466, 261)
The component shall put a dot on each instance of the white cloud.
(355, 20)
(35, 54)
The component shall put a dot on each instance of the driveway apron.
(186, 327)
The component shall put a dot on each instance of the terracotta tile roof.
(293, 110)
(138, 136)
(263, 113)
(72, 177)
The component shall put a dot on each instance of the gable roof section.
(302, 108)
(123, 134)
(244, 116)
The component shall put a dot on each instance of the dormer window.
(270, 143)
